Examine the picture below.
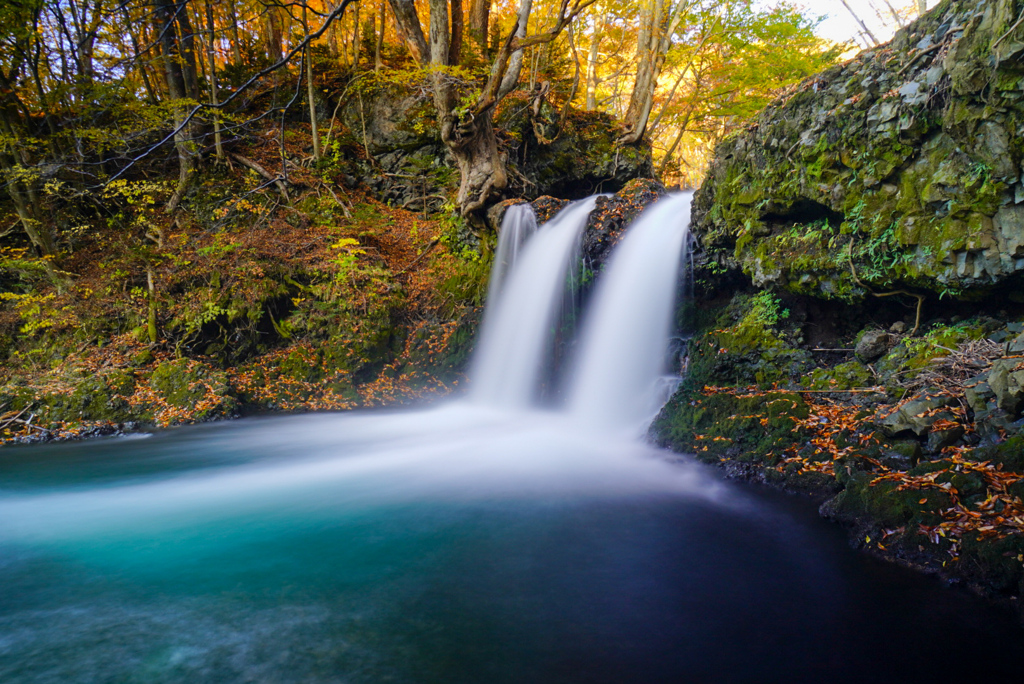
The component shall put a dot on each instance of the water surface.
(447, 545)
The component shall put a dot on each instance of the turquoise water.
(450, 545)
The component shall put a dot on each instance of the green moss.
(95, 398)
(844, 376)
(194, 386)
(1009, 453)
(745, 348)
(749, 428)
(885, 505)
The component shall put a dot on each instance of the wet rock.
(940, 439)
(907, 451)
(545, 207)
(873, 344)
(978, 393)
(496, 213)
(1016, 346)
(612, 214)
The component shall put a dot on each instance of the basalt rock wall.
(898, 169)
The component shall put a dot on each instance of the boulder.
(1006, 381)
(915, 417)
(872, 345)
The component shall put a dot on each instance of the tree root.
(919, 297)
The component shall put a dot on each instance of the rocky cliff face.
(899, 169)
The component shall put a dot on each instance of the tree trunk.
(515, 63)
(575, 81)
(137, 58)
(440, 47)
(481, 166)
(479, 21)
(213, 81)
(455, 48)
(165, 11)
(675, 144)
(356, 37)
(188, 52)
(377, 63)
(592, 55)
(236, 42)
(407, 21)
(310, 90)
(651, 57)
(922, 6)
(28, 215)
(273, 32)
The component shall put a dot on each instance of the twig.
(917, 56)
(341, 204)
(433, 243)
(423, 198)
(1012, 29)
(14, 418)
(872, 390)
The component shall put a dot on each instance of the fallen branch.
(344, 208)
(917, 55)
(277, 180)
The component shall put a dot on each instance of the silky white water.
(490, 444)
(517, 225)
(515, 338)
(624, 343)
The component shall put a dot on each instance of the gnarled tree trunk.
(481, 165)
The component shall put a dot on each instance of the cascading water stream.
(626, 330)
(516, 330)
(517, 226)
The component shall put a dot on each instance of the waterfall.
(516, 331)
(624, 342)
(517, 226)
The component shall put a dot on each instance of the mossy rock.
(883, 504)
(993, 561)
(864, 179)
(197, 388)
(1009, 453)
(849, 375)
